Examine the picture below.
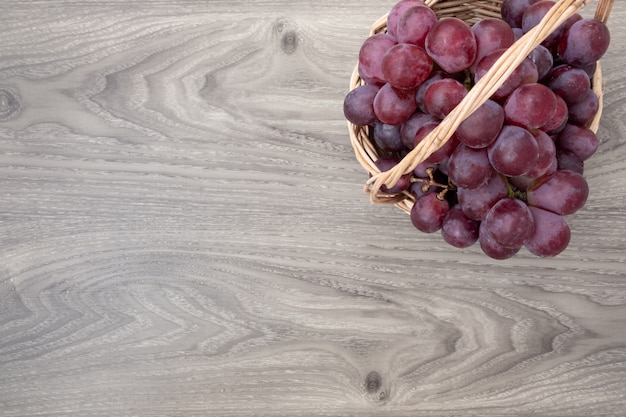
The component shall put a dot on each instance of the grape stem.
(513, 192)
(431, 182)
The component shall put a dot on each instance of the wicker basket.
(469, 11)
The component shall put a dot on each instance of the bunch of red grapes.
(514, 167)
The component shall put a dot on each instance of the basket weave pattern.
(470, 12)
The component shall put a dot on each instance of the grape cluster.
(514, 168)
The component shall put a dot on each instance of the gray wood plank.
(183, 232)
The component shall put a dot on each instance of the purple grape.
(543, 59)
(512, 11)
(482, 127)
(491, 34)
(424, 131)
(387, 137)
(414, 24)
(530, 106)
(573, 19)
(368, 79)
(476, 202)
(590, 69)
(547, 154)
(358, 105)
(510, 223)
(406, 66)
(514, 152)
(567, 161)
(409, 128)
(533, 16)
(428, 212)
(563, 192)
(559, 120)
(579, 140)
(396, 13)
(570, 83)
(552, 234)
(492, 248)
(584, 110)
(442, 96)
(393, 105)
(469, 168)
(459, 230)
(451, 44)
(584, 42)
(530, 73)
(421, 90)
(371, 55)
(511, 83)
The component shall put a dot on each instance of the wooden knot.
(10, 104)
(373, 382)
(289, 37)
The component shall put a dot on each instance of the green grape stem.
(513, 192)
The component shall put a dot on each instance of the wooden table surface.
(183, 232)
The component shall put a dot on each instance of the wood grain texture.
(183, 233)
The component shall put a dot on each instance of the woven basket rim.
(365, 151)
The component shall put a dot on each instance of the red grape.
(451, 44)
(409, 128)
(563, 192)
(567, 161)
(397, 11)
(459, 230)
(511, 83)
(569, 82)
(481, 128)
(584, 42)
(533, 16)
(514, 152)
(421, 90)
(406, 66)
(512, 11)
(543, 59)
(547, 153)
(559, 120)
(469, 168)
(530, 73)
(358, 105)
(414, 25)
(477, 202)
(387, 137)
(510, 222)
(442, 96)
(371, 55)
(530, 106)
(428, 212)
(585, 109)
(491, 34)
(579, 140)
(492, 248)
(393, 105)
(552, 233)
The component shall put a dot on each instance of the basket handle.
(604, 10)
(481, 92)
